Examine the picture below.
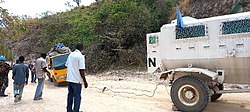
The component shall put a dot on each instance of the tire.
(214, 97)
(190, 94)
(50, 79)
(55, 83)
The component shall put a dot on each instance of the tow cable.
(121, 92)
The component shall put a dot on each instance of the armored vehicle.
(200, 58)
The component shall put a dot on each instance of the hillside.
(209, 8)
(113, 31)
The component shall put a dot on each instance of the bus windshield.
(59, 61)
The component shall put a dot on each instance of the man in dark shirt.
(20, 77)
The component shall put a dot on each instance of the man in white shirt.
(75, 78)
(41, 69)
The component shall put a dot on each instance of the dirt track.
(54, 99)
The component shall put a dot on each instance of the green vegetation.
(11, 30)
(113, 31)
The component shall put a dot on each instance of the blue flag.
(180, 23)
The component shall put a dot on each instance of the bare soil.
(129, 95)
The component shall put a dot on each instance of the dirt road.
(126, 87)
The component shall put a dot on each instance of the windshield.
(59, 62)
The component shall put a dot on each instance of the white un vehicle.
(200, 58)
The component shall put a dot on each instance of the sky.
(34, 8)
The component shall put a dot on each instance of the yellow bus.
(57, 68)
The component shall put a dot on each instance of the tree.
(11, 28)
(160, 11)
(69, 4)
(123, 23)
(77, 2)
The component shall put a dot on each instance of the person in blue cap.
(4, 70)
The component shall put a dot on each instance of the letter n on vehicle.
(152, 62)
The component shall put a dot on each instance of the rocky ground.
(126, 91)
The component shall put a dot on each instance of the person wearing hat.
(4, 70)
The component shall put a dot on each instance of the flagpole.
(180, 23)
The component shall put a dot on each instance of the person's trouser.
(33, 77)
(74, 97)
(3, 85)
(18, 89)
(39, 88)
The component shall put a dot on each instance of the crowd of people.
(38, 68)
(20, 75)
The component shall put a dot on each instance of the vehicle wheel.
(55, 83)
(50, 79)
(190, 94)
(214, 97)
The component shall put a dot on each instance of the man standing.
(20, 77)
(4, 80)
(75, 78)
(33, 71)
(41, 69)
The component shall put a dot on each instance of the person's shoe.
(3, 95)
(20, 98)
(17, 98)
(38, 98)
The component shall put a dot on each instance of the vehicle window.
(59, 62)
(237, 26)
(190, 32)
